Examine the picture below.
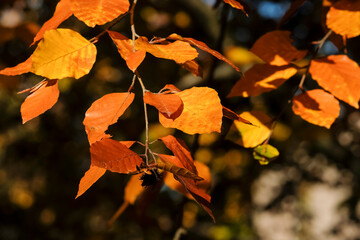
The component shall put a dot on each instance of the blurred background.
(310, 192)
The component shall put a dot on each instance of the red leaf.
(91, 176)
(62, 12)
(203, 47)
(114, 156)
(170, 105)
(40, 100)
(104, 112)
(234, 116)
(178, 147)
(19, 69)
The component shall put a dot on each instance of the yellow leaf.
(247, 135)
(202, 112)
(63, 53)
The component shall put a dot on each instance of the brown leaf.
(91, 176)
(178, 51)
(104, 112)
(98, 12)
(193, 67)
(203, 47)
(339, 75)
(202, 112)
(317, 107)
(114, 156)
(344, 18)
(125, 48)
(261, 78)
(169, 105)
(276, 48)
(178, 147)
(171, 164)
(40, 100)
(62, 12)
(228, 113)
(19, 69)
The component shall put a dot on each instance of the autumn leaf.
(180, 151)
(193, 67)
(295, 5)
(178, 51)
(236, 4)
(228, 113)
(276, 48)
(104, 112)
(247, 135)
(133, 189)
(19, 69)
(169, 105)
(40, 100)
(203, 47)
(62, 12)
(171, 164)
(91, 176)
(202, 112)
(169, 88)
(125, 48)
(339, 75)
(63, 53)
(261, 78)
(98, 12)
(265, 153)
(317, 107)
(344, 18)
(114, 156)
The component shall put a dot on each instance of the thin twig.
(179, 232)
(133, 31)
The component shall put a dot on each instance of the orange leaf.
(40, 100)
(178, 147)
(127, 144)
(247, 135)
(63, 53)
(133, 189)
(169, 105)
(193, 67)
(276, 48)
(202, 112)
(125, 48)
(228, 113)
(91, 176)
(261, 78)
(98, 12)
(317, 107)
(19, 69)
(178, 51)
(344, 18)
(169, 88)
(203, 47)
(340, 76)
(114, 156)
(171, 164)
(104, 112)
(62, 12)
(236, 4)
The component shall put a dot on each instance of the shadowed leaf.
(169, 105)
(193, 67)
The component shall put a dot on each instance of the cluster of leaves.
(63, 53)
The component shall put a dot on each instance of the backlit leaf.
(344, 18)
(91, 176)
(40, 100)
(203, 47)
(261, 78)
(133, 189)
(265, 153)
(98, 12)
(317, 107)
(276, 48)
(235, 4)
(125, 48)
(19, 69)
(202, 112)
(178, 51)
(250, 135)
(62, 12)
(63, 53)
(114, 156)
(339, 75)
(104, 112)
(169, 163)
(169, 105)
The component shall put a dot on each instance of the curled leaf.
(193, 67)
(91, 176)
(236, 4)
(228, 113)
(169, 105)
(19, 69)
